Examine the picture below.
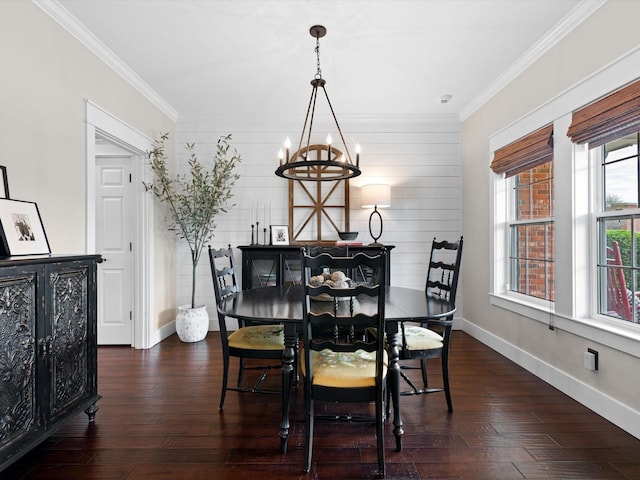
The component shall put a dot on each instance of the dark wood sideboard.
(271, 265)
(48, 349)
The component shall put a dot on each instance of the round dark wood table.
(284, 304)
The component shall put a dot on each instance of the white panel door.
(114, 233)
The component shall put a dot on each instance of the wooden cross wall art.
(318, 209)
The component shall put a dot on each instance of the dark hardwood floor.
(159, 419)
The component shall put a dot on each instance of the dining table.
(283, 304)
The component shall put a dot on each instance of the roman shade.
(611, 117)
(525, 153)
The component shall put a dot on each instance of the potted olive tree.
(193, 200)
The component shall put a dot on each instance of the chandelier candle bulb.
(281, 156)
(287, 148)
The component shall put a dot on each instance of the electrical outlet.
(595, 354)
(590, 358)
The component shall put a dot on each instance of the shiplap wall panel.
(418, 157)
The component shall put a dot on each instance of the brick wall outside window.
(532, 265)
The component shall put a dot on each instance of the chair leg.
(388, 400)
(380, 434)
(296, 371)
(423, 368)
(240, 372)
(445, 380)
(308, 444)
(225, 378)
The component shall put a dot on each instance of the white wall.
(47, 77)
(418, 157)
(556, 355)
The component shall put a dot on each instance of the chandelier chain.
(317, 50)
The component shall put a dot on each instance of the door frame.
(102, 123)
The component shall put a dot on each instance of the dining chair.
(264, 342)
(343, 370)
(432, 338)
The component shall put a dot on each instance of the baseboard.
(163, 332)
(617, 413)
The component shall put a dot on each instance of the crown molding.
(574, 18)
(71, 24)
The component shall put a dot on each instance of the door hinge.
(129, 178)
(131, 246)
(130, 315)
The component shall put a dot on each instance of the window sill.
(618, 335)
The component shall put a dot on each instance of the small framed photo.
(279, 235)
(4, 182)
(22, 230)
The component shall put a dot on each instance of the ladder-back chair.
(343, 369)
(431, 339)
(248, 341)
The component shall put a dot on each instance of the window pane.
(618, 267)
(621, 185)
(532, 266)
(620, 173)
(615, 303)
(533, 193)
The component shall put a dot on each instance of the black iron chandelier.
(318, 162)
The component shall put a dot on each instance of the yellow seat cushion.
(344, 369)
(420, 338)
(258, 337)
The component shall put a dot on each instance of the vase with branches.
(195, 198)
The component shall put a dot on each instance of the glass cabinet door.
(291, 269)
(263, 271)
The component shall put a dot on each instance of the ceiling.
(255, 58)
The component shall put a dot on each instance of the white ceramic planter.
(192, 324)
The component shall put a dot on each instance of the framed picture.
(4, 183)
(279, 235)
(22, 230)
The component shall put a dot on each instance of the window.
(528, 166)
(618, 229)
(612, 123)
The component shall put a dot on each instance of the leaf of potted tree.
(193, 201)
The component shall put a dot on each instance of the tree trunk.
(193, 286)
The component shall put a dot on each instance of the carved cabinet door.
(72, 366)
(20, 412)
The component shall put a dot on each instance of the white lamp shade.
(376, 195)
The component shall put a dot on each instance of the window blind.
(525, 153)
(611, 117)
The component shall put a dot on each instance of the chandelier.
(317, 162)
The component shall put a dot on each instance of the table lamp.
(376, 195)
